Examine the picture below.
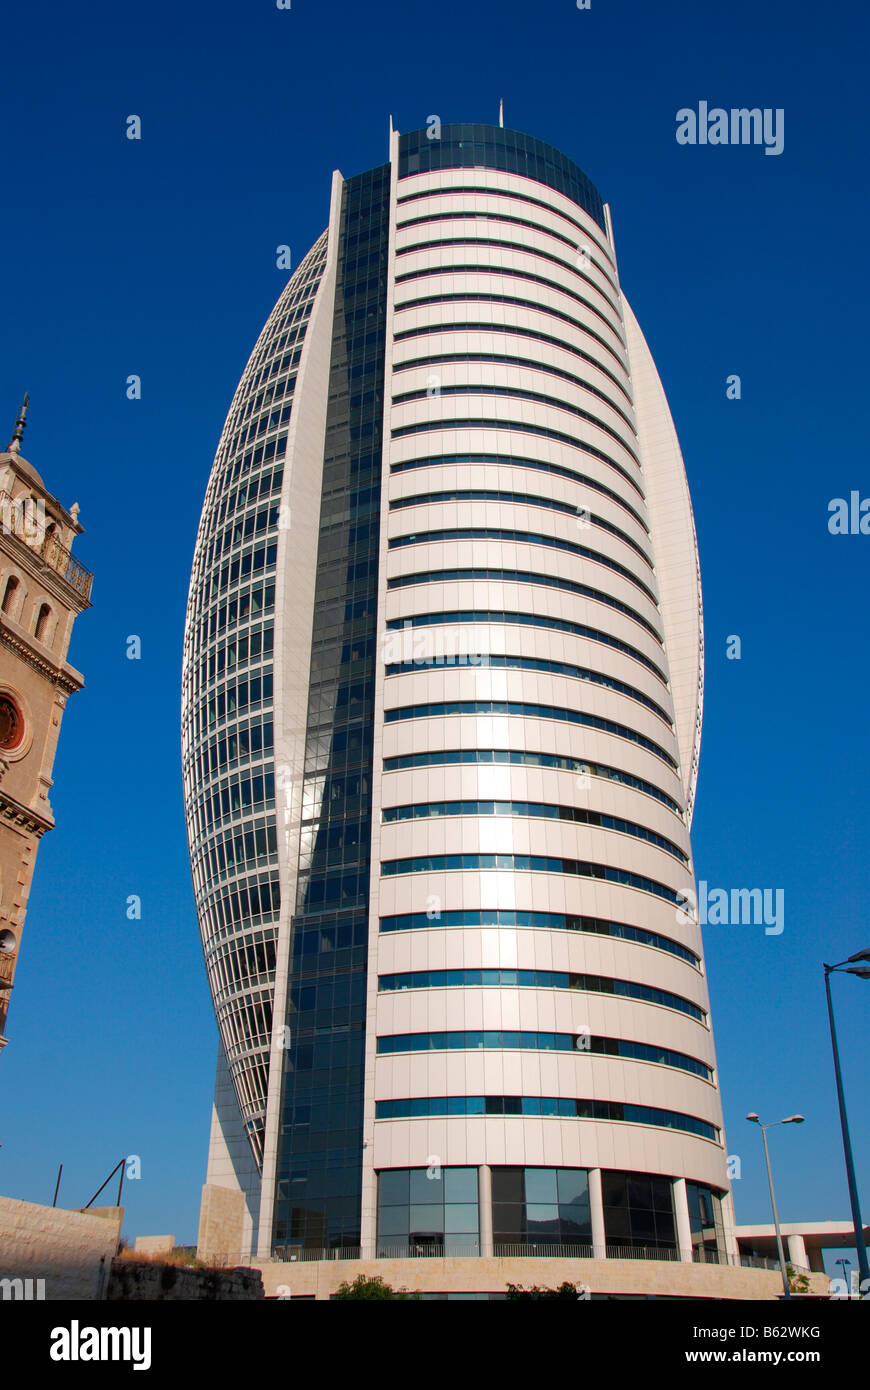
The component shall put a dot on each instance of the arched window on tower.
(42, 623)
(10, 593)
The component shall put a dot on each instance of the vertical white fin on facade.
(231, 1160)
(677, 563)
(295, 579)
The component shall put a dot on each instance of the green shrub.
(363, 1287)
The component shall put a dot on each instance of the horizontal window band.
(248, 522)
(254, 489)
(222, 572)
(521, 247)
(465, 148)
(231, 648)
(517, 331)
(504, 576)
(478, 297)
(519, 461)
(501, 360)
(262, 941)
(533, 810)
(520, 758)
(529, 863)
(483, 533)
(546, 921)
(539, 979)
(491, 615)
(552, 1106)
(521, 499)
(481, 191)
(510, 273)
(508, 1041)
(495, 662)
(507, 220)
(516, 393)
(440, 709)
(518, 427)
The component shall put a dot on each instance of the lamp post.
(849, 967)
(792, 1120)
(844, 1261)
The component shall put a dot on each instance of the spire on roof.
(14, 445)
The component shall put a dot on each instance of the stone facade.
(66, 1253)
(42, 591)
(221, 1228)
(654, 1278)
(131, 1279)
(221, 1219)
(154, 1245)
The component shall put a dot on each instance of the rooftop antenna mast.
(501, 113)
(14, 445)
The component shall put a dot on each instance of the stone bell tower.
(42, 591)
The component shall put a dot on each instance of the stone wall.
(154, 1245)
(135, 1279)
(221, 1224)
(662, 1278)
(67, 1254)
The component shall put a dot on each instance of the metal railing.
(539, 1250)
(67, 566)
(765, 1262)
(294, 1253)
(642, 1252)
(453, 1249)
(702, 1256)
(27, 522)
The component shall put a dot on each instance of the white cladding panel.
(520, 566)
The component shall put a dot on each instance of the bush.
(363, 1287)
(568, 1291)
(797, 1283)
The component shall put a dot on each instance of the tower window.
(12, 587)
(42, 622)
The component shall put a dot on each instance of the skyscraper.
(442, 693)
(43, 588)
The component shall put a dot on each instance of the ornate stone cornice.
(61, 676)
(23, 818)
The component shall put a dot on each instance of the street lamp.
(863, 973)
(845, 1262)
(792, 1120)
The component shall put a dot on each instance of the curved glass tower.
(442, 695)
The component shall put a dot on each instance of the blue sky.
(157, 257)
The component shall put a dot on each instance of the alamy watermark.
(849, 518)
(713, 125)
(739, 907)
(77, 1343)
(22, 1290)
(454, 645)
(23, 517)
